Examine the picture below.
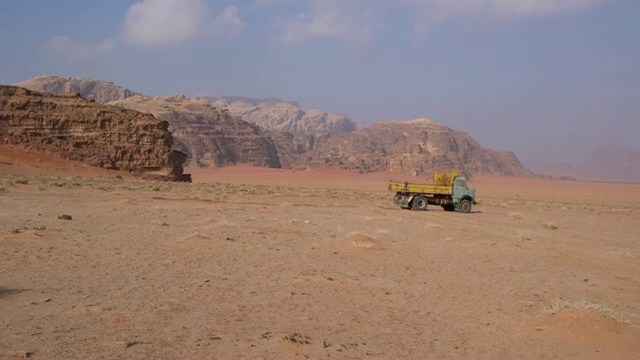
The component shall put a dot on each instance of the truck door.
(459, 189)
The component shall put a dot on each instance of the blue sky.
(551, 80)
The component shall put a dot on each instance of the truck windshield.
(461, 183)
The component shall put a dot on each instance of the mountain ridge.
(276, 133)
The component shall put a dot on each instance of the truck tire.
(419, 203)
(465, 206)
(449, 207)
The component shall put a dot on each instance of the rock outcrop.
(418, 147)
(81, 130)
(287, 116)
(277, 133)
(210, 136)
(98, 90)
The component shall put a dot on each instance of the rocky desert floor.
(272, 264)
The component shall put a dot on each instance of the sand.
(275, 264)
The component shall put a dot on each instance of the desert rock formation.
(98, 90)
(275, 133)
(420, 146)
(73, 128)
(210, 136)
(287, 116)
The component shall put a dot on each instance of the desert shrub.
(558, 306)
(21, 181)
(525, 235)
(362, 244)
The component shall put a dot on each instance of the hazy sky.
(551, 80)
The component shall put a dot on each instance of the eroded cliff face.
(210, 136)
(276, 133)
(76, 129)
(98, 90)
(287, 116)
(419, 147)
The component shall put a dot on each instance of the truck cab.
(462, 196)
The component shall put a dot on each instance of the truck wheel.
(465, 206)
(419, 203)
(449, 207)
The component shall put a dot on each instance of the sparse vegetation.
(225, 222)
(525, 235)
(21, 181)
(361, 240)
(622, 252)
(516, 215)
(550, 225)
(584, 304)
(11, 180)
(362, 244)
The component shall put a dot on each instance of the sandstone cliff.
(286, 136)
(210, 136)
(418, 147)
(100, 91)
(81, 130)
(287, 116)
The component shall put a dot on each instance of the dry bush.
(225, 222)
(550, 225)
(558, 306)
(362, 244)
(361, 240)
(525, 235)
(516, 215)
(622, 252)
(11, 180)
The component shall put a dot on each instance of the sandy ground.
(272, 264)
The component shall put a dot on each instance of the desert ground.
(274, 264)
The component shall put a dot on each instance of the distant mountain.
(276, 114)
(420, 146)
(98, 90)
(608, 163)
(277, 133)
(210, 136)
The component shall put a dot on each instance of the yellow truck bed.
(406, 187)
(442, 185)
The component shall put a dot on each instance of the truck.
(448, 190)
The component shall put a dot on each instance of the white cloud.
(432, 11)
(159, 22)
(351, 21)
(332, 23)
(76, 51)
(356, 22)
(228, 22)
